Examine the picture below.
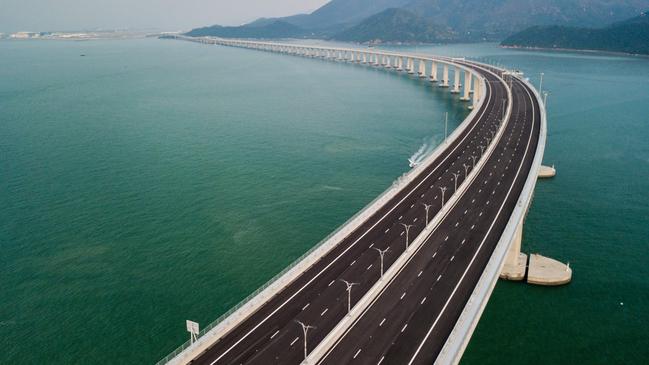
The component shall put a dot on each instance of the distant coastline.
(574, 50)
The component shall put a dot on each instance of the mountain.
(469, 20)
(396, 25)
(630, 36)
(338, 13)
(274, 29)
(497, 19)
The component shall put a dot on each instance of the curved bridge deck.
(451, 213)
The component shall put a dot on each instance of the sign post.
(192, 328)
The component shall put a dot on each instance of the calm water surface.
(154, 181)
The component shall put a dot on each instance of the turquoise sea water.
(154, 181)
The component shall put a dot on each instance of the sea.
(147, 182)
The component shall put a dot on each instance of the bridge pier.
(433, 72)
(422, 69)
(444, 77)
(467, 86)
(456, 82)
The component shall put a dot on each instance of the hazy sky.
(44, 15)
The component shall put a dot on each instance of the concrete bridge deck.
(445, 226)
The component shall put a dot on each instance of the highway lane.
(317, 295)
(411, 320)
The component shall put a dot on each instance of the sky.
(171, 15)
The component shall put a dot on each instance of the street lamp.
(381, 254)
(466, 170)
(481, 150)
(305, 329)
(455, 176)
(349, 294)
(407, 227)
(473, 158)
(427, 207)
(443, 189)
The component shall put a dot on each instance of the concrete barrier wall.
(252, 303)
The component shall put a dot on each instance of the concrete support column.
(515, 262)
(445, 77)
(433, 72)
(476, 92)
(422, 68)
(456, 82)
(467, 86)
(399, 64)
(387, 62)
(364, 57)
(411, 66)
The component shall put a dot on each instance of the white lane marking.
(353, 262)
(404, 328)
(473, 226)
(423, 300)
(372, 245)
(446, 239)
(457, 223)
(274, 334)
(414, 220)
(439, 277)
(332, 281)
(357, 352)
(418, 275)
(412, 206)
(323, 312)
(435, 254)
(380, 361)
(381, 324)
(292, 342)
(480, 215)
(464, 240)
(387, 230)
(402, 233)
(422, 195)
(305, 307)
(402, 295)
(412, 359)
(400, 217)
(452, 258)
(369, 267)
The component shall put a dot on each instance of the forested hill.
(630, 36)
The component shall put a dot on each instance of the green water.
(153, 181)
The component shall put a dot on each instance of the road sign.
(192, 327)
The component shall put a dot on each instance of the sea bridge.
(406, 279)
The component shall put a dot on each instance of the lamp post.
(305, 330)
(407, 227)
(381, 254)
(466, 170)
(455, 175)
(427, 207)
(443, 189)
(473, 158)
(349, 294)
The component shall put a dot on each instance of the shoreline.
(575, 50)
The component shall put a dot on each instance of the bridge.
(406, 279)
